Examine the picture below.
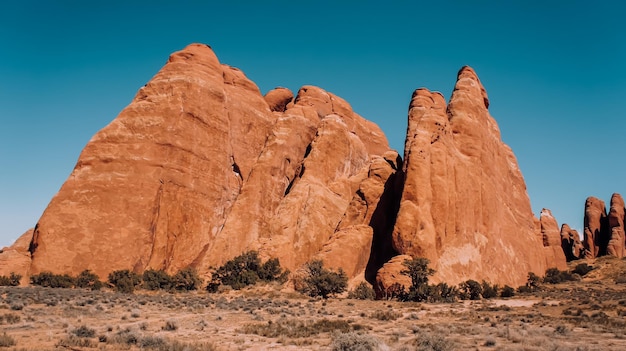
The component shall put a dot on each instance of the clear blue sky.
(554, 70)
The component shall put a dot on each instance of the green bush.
(489, 291)
(582, 269)
(555, 276)
(363, 291)
(124, 280)
(417, 269)
(246, 269)
(88, 280)
(187, 279)
(442, 292)
(157, 280)
(12, 280)
(320, 281)
(507, 291)
(51, 280)
(471, 290)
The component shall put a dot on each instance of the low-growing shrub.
(363, 291)
(6, 340)
(507, 291)
(555, 276)
(84, 332)
(51, 280)
(323, 282)
(187, 279)
(12, 280)
(88, 280)
(124, 280)
(471, 290)
(157, 280)
(354, 341)
(489, 291)
(244, 270)
(582, 269)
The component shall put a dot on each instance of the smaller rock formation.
(390, 280)
(551, 241)
(571, 244)
(616, 244)
(278, 99)
(595, 227)
(16, 258)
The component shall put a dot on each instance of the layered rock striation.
(201, 167)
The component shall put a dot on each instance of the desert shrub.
(157, 280)
(246, 269)
(12, 280)
(84, 332)
(621, 279)
(10, 318)
(555, 276)
(124, 280)
(319, 281)
(507, 291)
(582, 269)
(443, 292)
(353, 341)
(489, 291)
(417, 269)
(170, 325)
(533, 283)
(434, 342)
(471, 290)
(51, 280)
(386, 315)
(363, 291)
(297, 328)
(89, 280)
(187, 279)
(6, 340)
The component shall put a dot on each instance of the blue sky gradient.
(554, 74)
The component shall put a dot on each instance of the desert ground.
(581, 315)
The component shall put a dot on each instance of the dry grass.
(583, 315)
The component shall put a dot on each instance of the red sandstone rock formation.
(595, 227)
(200, 167)
(571, 244)
(555, 257)
(16, 258)
(616, 245)
(464, 205)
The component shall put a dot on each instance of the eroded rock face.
(551, 236)
(200, 167)
(595, 227)
(464, 205)
(616, 244)
(571, 244)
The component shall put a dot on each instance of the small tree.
(471, 290)
(88, 279)
(187, 279)
(320, 281)
(582, 269)
(124, 280)
(417, 269)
